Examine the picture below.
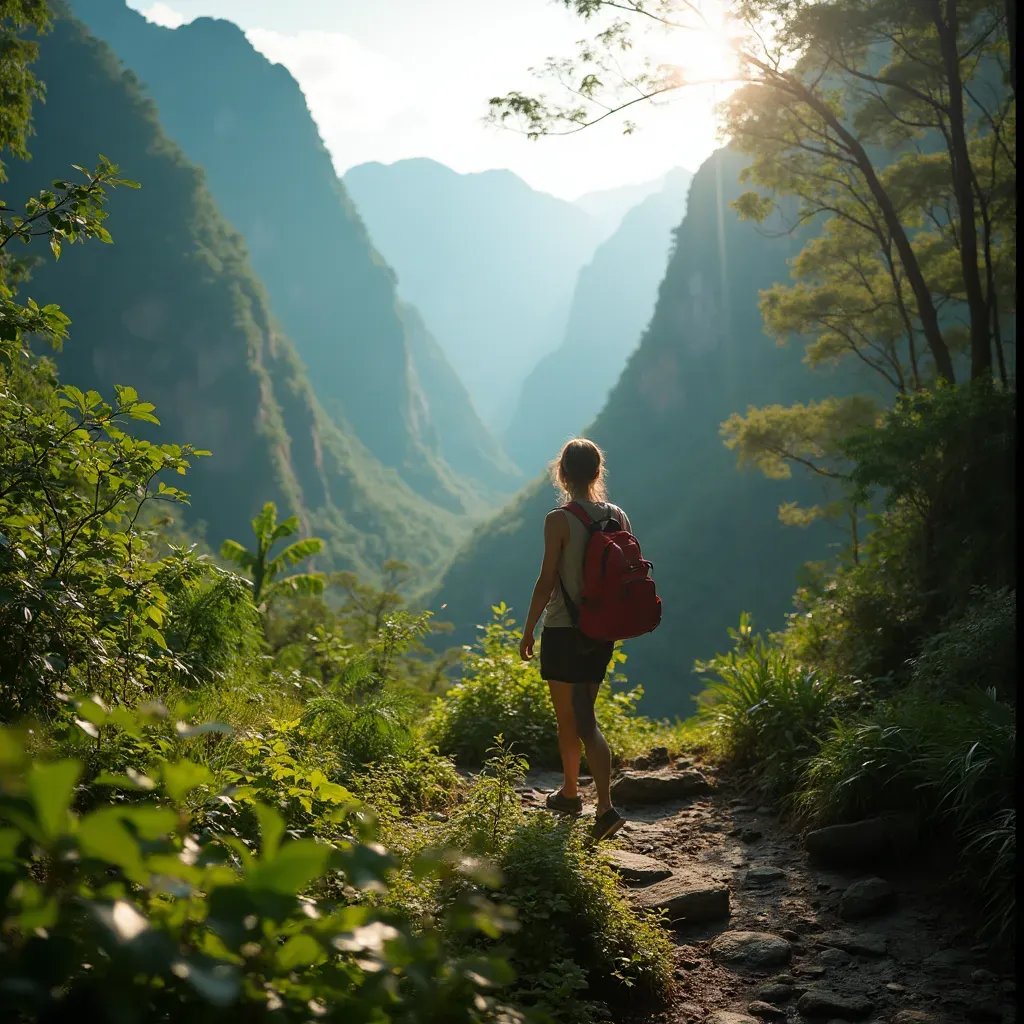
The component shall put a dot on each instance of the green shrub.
(580, 946)
(499, 694)
(126, 913)
(762, 708)
(950, 765)
(976, 650)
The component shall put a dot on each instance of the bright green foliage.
(18, 86)
(499, 694)
(124, 914)
(265, 570)
(80, 599)
(579, 943)
(763, 709)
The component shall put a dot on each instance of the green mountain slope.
(488, 261)
(174, 309)
(246, 123)
(711, 531)
(613, 302)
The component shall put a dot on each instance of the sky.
(387, 80)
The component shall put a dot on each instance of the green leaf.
(103, 835)
(299, 951)
(181, 777)
(296, 865)
(271, 829)
(52, 786)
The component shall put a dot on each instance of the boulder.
(861, 943)
(822, 1003)
(866, 898)
(751, 950)
(634, 788)
(658, 755)
(636, 868)
(862, 843)
(686, 897)
(763, 874)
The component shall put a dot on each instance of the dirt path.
(787, 940)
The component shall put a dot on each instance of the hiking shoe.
(607, 824)
(558, 801)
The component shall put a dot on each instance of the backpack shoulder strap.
(580, 513)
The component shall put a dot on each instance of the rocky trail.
(850, 923)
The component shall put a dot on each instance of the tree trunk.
(981, 348)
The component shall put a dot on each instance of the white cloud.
(356, 95)
(163, 14)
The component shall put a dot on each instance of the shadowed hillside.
(245, 122)
(174, 310)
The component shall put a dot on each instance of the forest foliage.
(253, 795)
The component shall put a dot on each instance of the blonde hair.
(578, 472)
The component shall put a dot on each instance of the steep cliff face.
(608, 206)
(711, 531)
(489, 262)
(174, 309)
(245, 122)
(613, 302)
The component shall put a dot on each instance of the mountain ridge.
(245, 121)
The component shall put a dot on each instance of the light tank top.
(570, 564)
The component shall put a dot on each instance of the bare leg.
(569, 744)
(599, 756)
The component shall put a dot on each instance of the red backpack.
(619, 600)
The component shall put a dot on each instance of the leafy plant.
(266, 570)
(501, 694)
(124, 913)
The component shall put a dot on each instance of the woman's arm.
(556, 533)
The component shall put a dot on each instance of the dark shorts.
(567, 656)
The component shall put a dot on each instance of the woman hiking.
(572, 664)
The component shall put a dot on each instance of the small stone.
(865, 898)
(766, 1011)
(687, 897)
(743, 809)
(658, 755)
(812, 970)
(823, 887)
(834, 957)
(750, 835)
(764, 810)
(755, 950)
(764, 874)
(438, 816)
(686, 964)
(641, 763)
(863, 944)
(823, 1003)
(774, 992)
(983, 977)
(730, 1017)
(636, 868)
(914, 1017)
(895, 986)
(790, 935)
(785, 979)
